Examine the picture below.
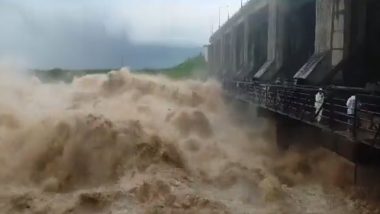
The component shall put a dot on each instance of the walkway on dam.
(297, 102)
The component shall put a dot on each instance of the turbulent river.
(128, 143)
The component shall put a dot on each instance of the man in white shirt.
(319, 99)
(351, 106)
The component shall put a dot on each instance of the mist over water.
(134, 143)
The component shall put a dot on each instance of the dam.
(276, 55)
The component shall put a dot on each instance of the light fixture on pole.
(219, 16)
(228, 10)
(221, 7)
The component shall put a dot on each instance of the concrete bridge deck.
(355, 137)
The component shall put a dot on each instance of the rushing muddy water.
(127, 143)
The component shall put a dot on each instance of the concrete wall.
(332, 16)
(333, 42)
(239, 47)
(275, 53)
(335, 20)
(234, 37)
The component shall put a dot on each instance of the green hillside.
(194, 67)
(57, 74)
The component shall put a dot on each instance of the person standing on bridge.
(319, 100)
(351, 108)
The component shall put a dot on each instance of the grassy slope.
(57, 74)
(191, 68)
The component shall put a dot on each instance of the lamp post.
(228, 11)
(219, 16)
(221, 7)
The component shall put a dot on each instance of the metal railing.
(298, 102)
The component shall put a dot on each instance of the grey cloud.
(77, 37)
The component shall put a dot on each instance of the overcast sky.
(107, 33)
